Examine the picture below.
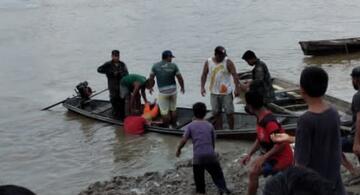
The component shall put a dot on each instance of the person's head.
(14, 190)
(167, 56)
(298, 181)
(250, 57)
(220, 53)
(115, 55)
(313, 82)
(355, 75)
(148, 84)
(254, 101)
(303, 181)
(199, 110)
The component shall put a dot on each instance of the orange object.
(223, 88)
(150, 113)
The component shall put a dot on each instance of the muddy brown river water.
(48, 46)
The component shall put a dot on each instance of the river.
(48, 46)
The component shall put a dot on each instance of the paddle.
(62, 101)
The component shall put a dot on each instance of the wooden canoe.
(325, 47)
(244, 123)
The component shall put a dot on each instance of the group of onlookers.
(318, 151)
(314, 168)
(223, 83)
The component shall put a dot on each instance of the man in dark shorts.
(261, 78)
(275, 156)
(134, 85)
(317, 144)
(115, 70)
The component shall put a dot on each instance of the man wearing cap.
(261, 78)
(220, 70)
(115, 70)
(165, 72)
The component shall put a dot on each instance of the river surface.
(48, 46)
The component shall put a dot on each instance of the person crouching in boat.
(136, 123)
(274, 156)
(134, 85)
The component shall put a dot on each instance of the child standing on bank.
(202, 134)
(317, 143)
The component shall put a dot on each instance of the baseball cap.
(355, 72)
(115, 52)
(220, 50)
(167, 53)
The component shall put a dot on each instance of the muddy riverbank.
(179, 180)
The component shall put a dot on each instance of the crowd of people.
(223, 78)
(319, 146)
(312, 168)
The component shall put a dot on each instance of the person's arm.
(232, 69)
(180, 146)
(184, 139)
(275, 149)
(213, 136)
(126, 72)
(181, 82)
(179, 78)
(356, 147)
(102, 69)
(282, 137)
(253, 149)
(143, 94)
(303, 142)
(136, 90)
(204, 74)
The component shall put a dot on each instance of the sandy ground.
(180, 180)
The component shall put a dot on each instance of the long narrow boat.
(244, 123)
(325, 47)
(289, 101)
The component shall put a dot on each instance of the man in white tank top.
(220, 70)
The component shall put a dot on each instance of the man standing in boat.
(115, 70)
(261, 78)
(220, 70)
(165, 72)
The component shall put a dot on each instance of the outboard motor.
(83, 90)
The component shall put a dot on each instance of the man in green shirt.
(165, 72)
(133, 85)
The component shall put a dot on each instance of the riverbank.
(180, 180)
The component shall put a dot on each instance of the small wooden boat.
(289, 101)
(325, 47)
(244, 123)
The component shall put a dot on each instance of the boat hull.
(326, 47)
(244, 128)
